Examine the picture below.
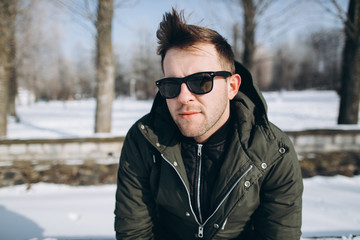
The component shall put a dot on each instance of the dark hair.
(174, 32)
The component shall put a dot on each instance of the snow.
(288, 110)
(49, 210)
(66, 119)
(331, 205)
(330, 208)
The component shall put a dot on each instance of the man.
(206, 162)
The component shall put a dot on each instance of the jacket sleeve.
(280, 213)
(134, 207)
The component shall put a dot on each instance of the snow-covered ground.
(288, 110)
(50, 211)
(331, 207)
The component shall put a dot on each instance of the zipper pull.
(199, 150)
(201, 232)
(223, 226)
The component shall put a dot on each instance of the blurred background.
(76, 74)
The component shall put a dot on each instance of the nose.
(185, 95)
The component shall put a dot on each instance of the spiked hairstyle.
(174, 32)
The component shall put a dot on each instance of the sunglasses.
(197, 83)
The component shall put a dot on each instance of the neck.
(216, 126)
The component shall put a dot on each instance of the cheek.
(215, 100)
(171, 105)
(222, 92)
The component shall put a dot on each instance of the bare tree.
(252, 10)
(350, 76)
(326, 46)
(145, 66)
(105, 69)
(284, 69)
(12, 59)
(249, 32)
(235, 46)
(6, 36)
(37, 49)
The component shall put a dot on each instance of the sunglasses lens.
(200, 83)
(170, 88)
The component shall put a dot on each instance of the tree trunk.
(4, 82)
(5, 20)
(12, 70)
(350, 77)
(235, 41)
(105, 69)
(249, 32)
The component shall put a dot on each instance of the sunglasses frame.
(188, 78)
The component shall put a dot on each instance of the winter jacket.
(257, 194)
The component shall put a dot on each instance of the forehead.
(200, 49)
(196, 58)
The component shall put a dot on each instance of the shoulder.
(134, 131)
(137, 152)
(269, 146)
(285, 163)
(135, 142)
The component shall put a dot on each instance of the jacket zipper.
(201, 225)
(187, 190)
(199, 182)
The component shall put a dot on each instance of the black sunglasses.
(197, 83)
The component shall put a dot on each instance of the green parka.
(258, 193)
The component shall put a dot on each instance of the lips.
(188, 114)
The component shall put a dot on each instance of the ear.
(233, 85)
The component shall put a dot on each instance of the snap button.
(282, 150)
(175, 164)
(263, 165)
(187, 214)
(142, 127)
(216, 226)
(158, 144)
(247, 184)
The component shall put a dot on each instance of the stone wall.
(81, 173)
(325, 140)
(93, 161)
(327, 152)
(73, 161)
(67, 149)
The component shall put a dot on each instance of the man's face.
(199, 116)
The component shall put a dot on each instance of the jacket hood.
(250, 95)
(250, 89)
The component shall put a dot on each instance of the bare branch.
(79, 12)
(349, 26)
(90, 13)
(125, 3)
(341, 14)
(262, 5)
